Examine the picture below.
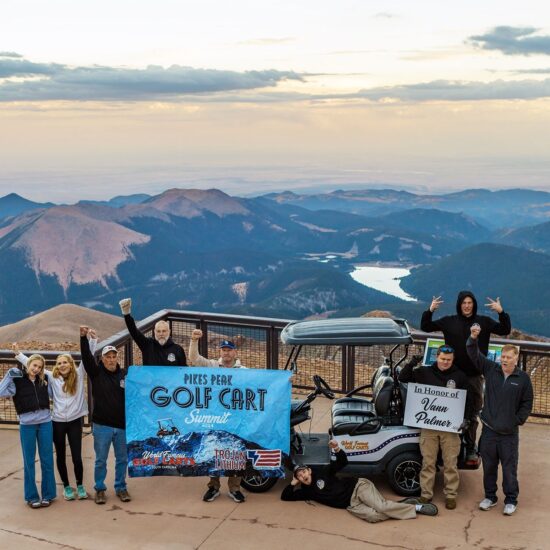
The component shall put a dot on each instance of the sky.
(101, 98)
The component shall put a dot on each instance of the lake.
(385, 279)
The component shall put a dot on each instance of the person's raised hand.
(125, 306)
(436, 302)
(84, 330)
(495, 305)
(15, 348)
(333, 444)
(475, 329)
(92, 334)
(196, 334)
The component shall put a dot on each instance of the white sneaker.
(486, 504)
(509, 509)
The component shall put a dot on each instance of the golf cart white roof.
(359, 331)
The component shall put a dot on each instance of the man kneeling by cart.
(359, 496)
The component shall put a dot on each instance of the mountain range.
(280, 255)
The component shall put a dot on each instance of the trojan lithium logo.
(262, 458)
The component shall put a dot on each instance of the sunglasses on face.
(446, 349)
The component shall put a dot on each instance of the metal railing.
(258, 339)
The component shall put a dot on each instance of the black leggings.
(73, 431)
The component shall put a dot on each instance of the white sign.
(434, 407)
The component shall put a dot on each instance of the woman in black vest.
(30, 391)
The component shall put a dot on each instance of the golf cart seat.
(352, 403)
(355, 424)
(351, 423)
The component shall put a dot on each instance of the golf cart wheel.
(255, 482)
(403, 473)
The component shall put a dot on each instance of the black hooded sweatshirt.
(456, 330)
(168, 355)
(325, 487)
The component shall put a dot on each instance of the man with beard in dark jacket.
(456, 330)
(443, 373)
(508, 404)
(158, 351)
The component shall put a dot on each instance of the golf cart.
(166, 428)
(369, 429)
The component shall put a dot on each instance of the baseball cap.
(299, 467)
(227, 344)
(107, 349)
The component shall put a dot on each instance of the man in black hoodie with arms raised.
(108, 417)
(456, 330)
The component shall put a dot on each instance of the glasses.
(445, 349)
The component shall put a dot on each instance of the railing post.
(344, 354)
(351, 369)
(203, 342)
(274, 335)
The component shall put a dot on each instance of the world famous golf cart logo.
(264, 458)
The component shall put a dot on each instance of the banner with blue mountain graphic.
(197, 421)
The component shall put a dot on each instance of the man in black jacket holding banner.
(508, 402)
(359, 496)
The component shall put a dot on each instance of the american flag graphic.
(262, 458)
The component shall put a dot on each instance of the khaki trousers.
(430, 443)
(233, 482)
(368, 504)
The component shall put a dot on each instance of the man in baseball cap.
(109, 420)
(228, 359)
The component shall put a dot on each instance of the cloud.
(513, 41)
(449, 90)
(13, 66)
(10, 54)
(97, 83)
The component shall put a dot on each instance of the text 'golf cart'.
(369, 429)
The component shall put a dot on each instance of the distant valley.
(206, 250)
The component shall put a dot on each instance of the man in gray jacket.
(508, 401)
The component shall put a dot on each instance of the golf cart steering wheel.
(322, 387)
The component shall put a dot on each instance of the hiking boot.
(81, 492)
(487, 504)
(237, 496)
(100, 497)
(427, 509)
(211, 494)
(509, 509)
(450, 503)
(123, 495)
(68, 493)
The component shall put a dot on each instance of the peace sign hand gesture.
(436, 302)
(495, 305)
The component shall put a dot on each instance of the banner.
(434, 407)
(200, 421)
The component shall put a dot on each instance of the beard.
(162, 341)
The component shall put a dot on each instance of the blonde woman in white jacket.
(67, 382)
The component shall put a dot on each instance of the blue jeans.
(30, 434)
(103, 437)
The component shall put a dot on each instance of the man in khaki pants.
(228, 359)
(358, 496)
(442, 373)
